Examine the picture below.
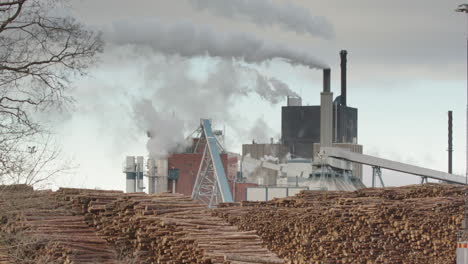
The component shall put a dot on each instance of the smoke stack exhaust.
(450, 141)
(344, 65)
(326, 80)
(326, 111)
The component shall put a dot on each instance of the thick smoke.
(180, 100)
(188, 40)
(272, 89)
(267, 13)
(165, 130)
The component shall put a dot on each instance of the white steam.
(165, 130)
(188, 40)
(272, 90)
(267, 13)
(179, 100)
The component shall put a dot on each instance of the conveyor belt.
(391, 165)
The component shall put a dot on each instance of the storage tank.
(130, 173)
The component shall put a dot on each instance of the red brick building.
(188, 165)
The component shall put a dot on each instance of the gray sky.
(406, 70)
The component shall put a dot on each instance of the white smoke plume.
(188, 40)
(267, 13)
(272, 89)
(165, 130)
(179, 100)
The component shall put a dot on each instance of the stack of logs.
(41, 230)
(4, 258)
(166, 228)
(414, 224)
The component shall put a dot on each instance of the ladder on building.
(211, 186)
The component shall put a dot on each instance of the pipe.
(326, 80)
(344, 65)
(450, 141)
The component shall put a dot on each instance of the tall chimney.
(326, 111)
(450, 141)
(344, 65)
(326, 80)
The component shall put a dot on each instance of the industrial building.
(301, 134)
(300, 125)
(209, 173)
(318, 150)
(178, 172)
(276, 153)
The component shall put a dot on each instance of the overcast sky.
(406, 70)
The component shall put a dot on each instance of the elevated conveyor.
(376, 162)
(211, 186)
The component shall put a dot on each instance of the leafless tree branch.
(40, 53)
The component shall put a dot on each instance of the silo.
(130, 172)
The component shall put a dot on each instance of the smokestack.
(326, 80)
(450, 141)
(326, 111)
(344, 65)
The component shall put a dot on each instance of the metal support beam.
(424, 180)
(377, 172)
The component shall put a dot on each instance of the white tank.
(130, 174)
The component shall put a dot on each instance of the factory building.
(178, 172)
(295, 159)
(188, 164)
(356, 148)
(276, 153)
(301, 125)
(303, 128)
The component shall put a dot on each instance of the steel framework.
(211, 186)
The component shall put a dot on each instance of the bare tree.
(36, 162)
(40, 53)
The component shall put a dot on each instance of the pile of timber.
(413, 224)
(42, 230)
(166, 228)
(16, 188)
(4, 258)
